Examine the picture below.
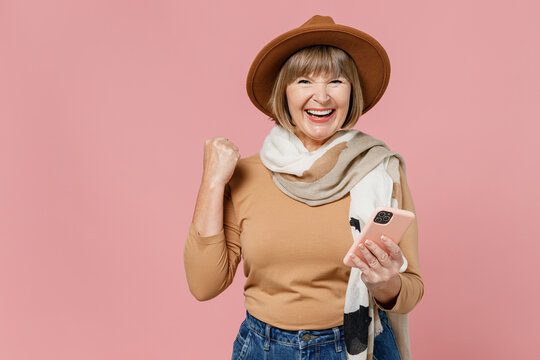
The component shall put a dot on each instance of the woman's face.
(325, 94)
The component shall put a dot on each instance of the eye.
(300, 81)
(339, 81)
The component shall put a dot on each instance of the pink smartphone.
(384, 221)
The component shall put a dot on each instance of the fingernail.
(368, 242)
(361, 246)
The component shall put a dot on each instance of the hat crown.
(318, 20)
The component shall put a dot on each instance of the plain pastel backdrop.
(104, 109)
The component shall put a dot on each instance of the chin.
(322, 136)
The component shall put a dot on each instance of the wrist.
(387, 293)
(212, 183)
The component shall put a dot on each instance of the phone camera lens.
(383, 217)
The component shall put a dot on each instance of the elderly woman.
(289, 210)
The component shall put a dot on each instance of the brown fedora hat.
(369, 56)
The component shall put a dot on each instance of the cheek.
(345, 98)
(344, 107)
(295, 104)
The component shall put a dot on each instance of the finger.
(360, 264)
(357, 261)
(380, 254)
(364, 278)
(370, 258)
(393, 248)
(226, 140)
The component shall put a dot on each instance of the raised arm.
(212, 248)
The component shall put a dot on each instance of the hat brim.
(369, 56)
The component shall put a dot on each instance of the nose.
(320, 94)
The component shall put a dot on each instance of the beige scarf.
(349, 162)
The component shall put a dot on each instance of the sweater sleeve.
(210, 262)
(412, 285)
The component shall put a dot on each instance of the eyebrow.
(333, 78)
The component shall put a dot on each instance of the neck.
(309, 143)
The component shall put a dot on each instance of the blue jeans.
(257, 340)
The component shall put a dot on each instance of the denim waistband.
(301, 338)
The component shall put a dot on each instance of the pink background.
(104, 109)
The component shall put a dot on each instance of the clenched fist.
(220, 158)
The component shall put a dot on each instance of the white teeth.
(320, 113)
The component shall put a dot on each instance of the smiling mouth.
(319, 116)
(320, 113)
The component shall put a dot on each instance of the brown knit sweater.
(293, 253)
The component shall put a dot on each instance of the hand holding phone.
(386, 221)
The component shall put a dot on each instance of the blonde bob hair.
(318, 59)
